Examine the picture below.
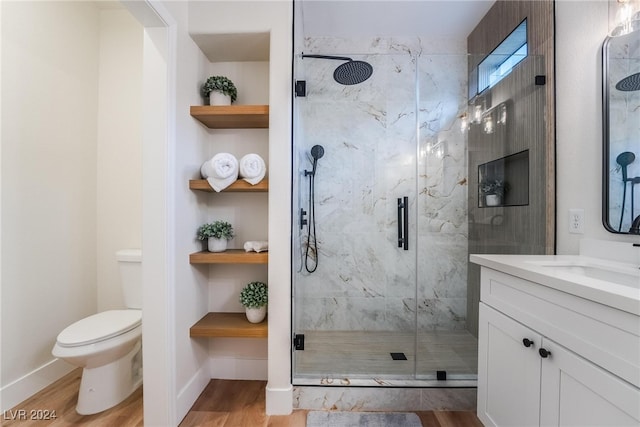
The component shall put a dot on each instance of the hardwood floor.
(61, 397)
(227, 403)
(223, 403)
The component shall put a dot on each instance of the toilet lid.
(100, 327)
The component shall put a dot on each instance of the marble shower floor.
(349, 354)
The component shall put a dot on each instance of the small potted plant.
(493, 191)
(220, 90)
(254, 298)
(217, 234)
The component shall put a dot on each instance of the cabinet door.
(575, 392)
(508, 371)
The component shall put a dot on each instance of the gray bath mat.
(364, 419)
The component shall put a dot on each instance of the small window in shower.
(504, 58)
(505, 181)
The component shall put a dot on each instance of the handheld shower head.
(624, 160)
(317, 151)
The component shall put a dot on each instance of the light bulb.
(502, 115)
(464, 122)
(477, 114)
(488, 124)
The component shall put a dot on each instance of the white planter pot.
(256, 315)
(216, 245)
(219, 98)
(493, 200)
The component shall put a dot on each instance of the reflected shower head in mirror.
(624, 160)
(630, 83)
(351, 72)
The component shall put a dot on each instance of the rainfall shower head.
(351, 72)
(629, 83)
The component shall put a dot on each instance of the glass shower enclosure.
(379, 237)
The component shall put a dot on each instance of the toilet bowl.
(108, 346)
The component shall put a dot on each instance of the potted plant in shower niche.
(493, 191)
(217, 234)
(220, 90)
(254, 298)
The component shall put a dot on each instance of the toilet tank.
(130, 266)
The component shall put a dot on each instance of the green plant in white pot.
(493, 191)
(220, 90)
(217, 234)
(254, 298)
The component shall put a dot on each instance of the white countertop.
(539, 269)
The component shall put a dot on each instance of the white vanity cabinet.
(549, 358)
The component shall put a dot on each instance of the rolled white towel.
(256, 245)
(252, 168)
(220, 171)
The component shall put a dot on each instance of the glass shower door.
(354, 285)
(446, 349)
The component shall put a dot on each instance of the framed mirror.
(621, 126)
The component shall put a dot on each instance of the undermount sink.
(614, 273)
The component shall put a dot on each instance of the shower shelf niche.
(232, 116)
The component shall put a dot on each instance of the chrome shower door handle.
(403, 223)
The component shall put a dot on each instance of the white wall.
(188, 296)
(581, 27)
(50, 60)
(71, 175)
(119, 149)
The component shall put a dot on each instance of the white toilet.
(108, 345)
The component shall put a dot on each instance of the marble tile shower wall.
(397, 134)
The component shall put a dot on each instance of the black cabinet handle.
(544, 353)
(527, 342)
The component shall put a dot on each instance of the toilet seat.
(99, 327)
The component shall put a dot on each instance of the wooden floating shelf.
(240, 186)
(231, 325)
(232, 116)
(230, 256)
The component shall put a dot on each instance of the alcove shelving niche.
(245, 51)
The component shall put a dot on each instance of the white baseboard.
(279, 401)
(26, 386)
(229, 368)
(190, 392)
